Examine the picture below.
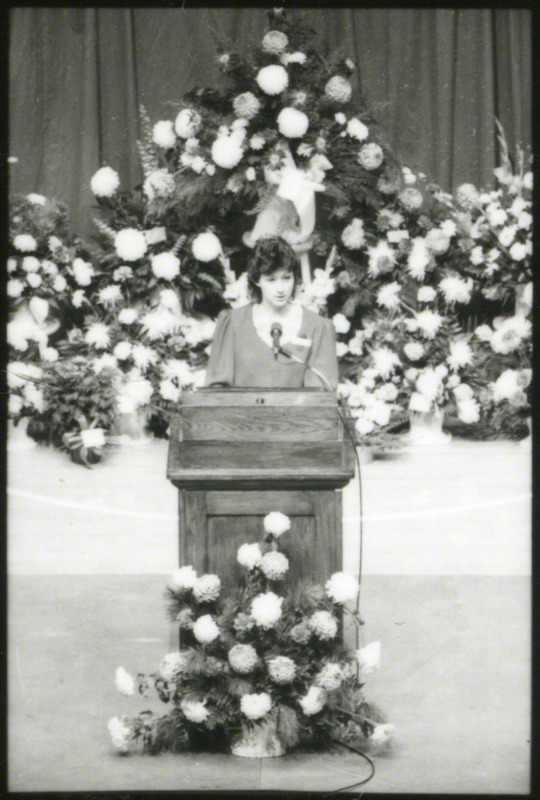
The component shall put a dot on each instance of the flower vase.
(426, 428)
(18, 440)
(129, 429)
(258, 741)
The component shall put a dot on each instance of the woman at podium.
(273, 342)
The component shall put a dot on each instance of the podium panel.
(236, 455)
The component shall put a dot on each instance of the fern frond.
(104, 228)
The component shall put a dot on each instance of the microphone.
(275, 332)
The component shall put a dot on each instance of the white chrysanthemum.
(496, 215)
(14, 288)
(428, 322)
(257, 142)
(187, 123)
(127, 316)
(509, 334)
(227, 151)
(353, 236)
(19, 373)
(281, 669)
(98, 335)
(274, 42)
(388, 295)
(243, 658)
(426, 294)
(413, 350)
(143, 356)
(313, 701)
(387, 392)
(272, 79)
(30, 264)
(11, 265)
(206, 247)
(419, 258)
(105, 182)
(266, 609)
(330, 677)
(120, 734)
(477, 255)
(455, 289)
(342, 348)
(341, 323)
(159, 183)
(410, 198)
(246, 105)
(274, 565)
(524, 220)
(460, 354)
(382, 735)
(109, 295)
(418, 402)
(34, 280)
(184, 577)
(124, 682)
(462, 391)
(106, 361)
(25, 243)
(59, 284)
(249, 555)
(467, 195)
(171, 665)
(382, 258)
(518, 251)
(293, 58)
(123, 350)
(195, 711)
(206, 588)
(34, 397)
(468, 411)
(176, 369)
(385, 361)
(292, 123)
(507, 235)
(15, 405)
(205, 629)
(36, 199)
(449, 227)
(166, 265)
(159, 323)
(130, 244)
(428, 383)
(355, 128)
(255, 706)
(506, 386)
(93, 437)
(369, 658)
(323, 624)
(276, 523)
(83, 272)
(163, 134)
(379, 413)
(437, 241)
(338, 89)
(169, 391)
(371, 156)
(342, 587)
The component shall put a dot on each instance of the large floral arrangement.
(269, 653)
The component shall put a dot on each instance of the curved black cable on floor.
(358, 783)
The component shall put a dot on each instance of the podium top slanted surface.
(258, 438)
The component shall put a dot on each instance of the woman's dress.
(239, 357)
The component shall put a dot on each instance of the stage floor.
(446, 590)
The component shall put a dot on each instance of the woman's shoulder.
(234, 315)
(314, 321)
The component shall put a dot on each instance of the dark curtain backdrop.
(438, 77)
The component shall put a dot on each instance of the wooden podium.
(237, 454)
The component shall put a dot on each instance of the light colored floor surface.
(446, 590)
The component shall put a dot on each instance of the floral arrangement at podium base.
(260, 671)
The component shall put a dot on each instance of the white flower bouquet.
(267, 654)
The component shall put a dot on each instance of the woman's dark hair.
(270, 254)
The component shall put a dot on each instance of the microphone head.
(276, 329)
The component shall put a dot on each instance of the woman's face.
(277, 287)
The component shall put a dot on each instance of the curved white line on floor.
(118, 512)
(427, 512)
